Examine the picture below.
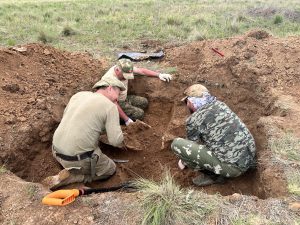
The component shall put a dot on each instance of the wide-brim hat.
(195, 90)
(110, 81)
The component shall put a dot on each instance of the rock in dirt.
(234, 197)
(294, 206)
(12, 88)
(20, 49)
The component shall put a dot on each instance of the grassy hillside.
(106, 25)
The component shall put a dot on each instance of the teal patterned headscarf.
(200, 102)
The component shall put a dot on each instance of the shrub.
(173, 21)
(68, 31)
(278, 19)
(45, 38)
(11, 42)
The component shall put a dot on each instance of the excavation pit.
(33, 111)
(166, 116)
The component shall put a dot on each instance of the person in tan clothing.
(75, 141)
(131, 107)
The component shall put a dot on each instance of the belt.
(75, 157)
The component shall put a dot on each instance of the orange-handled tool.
(65, 197)
(61, 197)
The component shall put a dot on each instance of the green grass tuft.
(278, 19)
(3, 169)
(11, 42)
(170, 70)
(45, 38)
(166, 203)
(173, 21)
(31, 191)
(68, 31)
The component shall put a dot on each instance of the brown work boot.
(54, 182)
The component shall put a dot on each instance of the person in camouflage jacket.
(226, 147)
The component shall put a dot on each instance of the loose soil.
(37, 81)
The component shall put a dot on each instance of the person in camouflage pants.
(226, 149)
(134, 106)
(131, 107)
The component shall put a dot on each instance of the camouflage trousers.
(134, 106)
(199, 157)
(81, 171)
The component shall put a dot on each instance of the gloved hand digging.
(165, 77)
(129, 121)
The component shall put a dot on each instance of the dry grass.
(286, 149)
(293, 178)
(246, 210)
(286, 146)
(3, 169)
(31, 191)
(166, 203)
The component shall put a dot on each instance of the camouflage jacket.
(222, 131)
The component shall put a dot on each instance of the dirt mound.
(36, 84)
(255, 71)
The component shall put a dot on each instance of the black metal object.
(125, 186)
(138, 56)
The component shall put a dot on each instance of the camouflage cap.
(195, 90)
(110, 81)
(127, 68)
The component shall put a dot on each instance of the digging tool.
(120, 160)
(145, 125)
(65, 197)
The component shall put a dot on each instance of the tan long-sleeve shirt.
(86, 116)
(111, 73)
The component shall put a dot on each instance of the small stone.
(22, 119)
(234, 197)
(41, 104)
(31, 100)
(294, 206)
(12, 88)
(47, 52)
(90, 218)
(11, 119)
(20, 49)
(46, 85)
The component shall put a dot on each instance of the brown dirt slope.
(36, 83)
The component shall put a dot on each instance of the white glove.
(181, 164)
(165, 77)
(129, 121)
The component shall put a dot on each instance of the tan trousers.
(80, 171)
